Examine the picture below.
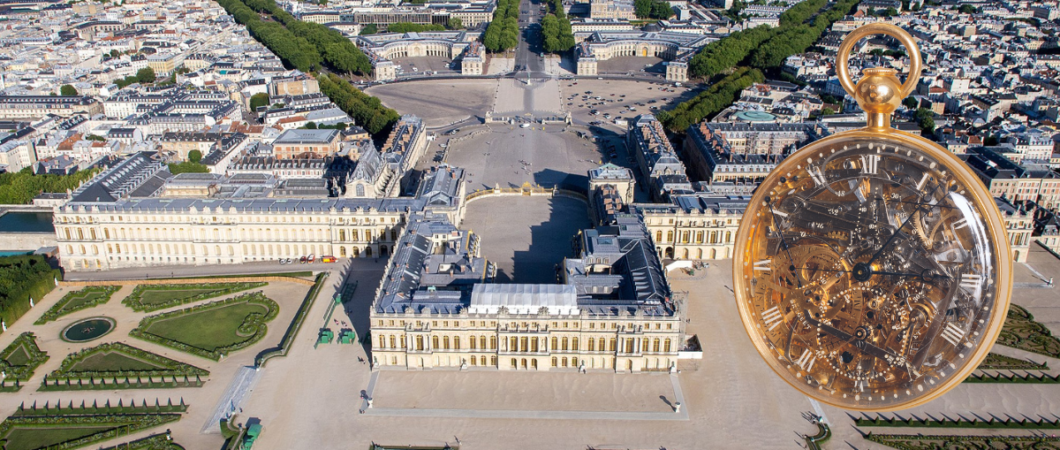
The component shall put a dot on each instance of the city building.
(306, 144)
(662, 170)
(613, 310)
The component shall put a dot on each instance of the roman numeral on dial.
(869, 163)
(973, 283)
(806, 360)
(953, 334)
(772, 317)
(763, 265)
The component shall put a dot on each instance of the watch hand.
(881, 272)
(865, 347)
(907, 220)
(784, 242)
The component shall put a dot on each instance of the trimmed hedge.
(135, 299)
(897, 421)
(994, 361)
(1013, 378)
(67, 377)
(23, 277)
(152, 442)
(17, 373)
(932, 442)
(296, 324)
(257, 324)
(122, 420)
(60, 308)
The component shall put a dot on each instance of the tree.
(188, 167)
(967, 9)
(827, 111)
(910, 102)
(68, 91)
(369, 29)
(146, 75)
(926, 119)
(890, 12)
(195, 156)
(455, 23)
(258, 100)
(310, 126)
(114, 53)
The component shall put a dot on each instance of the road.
(528, 55)
(255, 268)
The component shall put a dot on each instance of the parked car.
(302, 260)
(327, 259)
(311, 258)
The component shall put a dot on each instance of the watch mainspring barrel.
(872, 267)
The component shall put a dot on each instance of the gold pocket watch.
(872, 268)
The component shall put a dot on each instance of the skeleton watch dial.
(872, 270)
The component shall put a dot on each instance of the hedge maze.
(77, 300)
(120, 366)
(57, 427)
(153, 297)
(19, 360)
(1022, 332)
(211, 330)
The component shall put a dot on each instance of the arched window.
(564, 344)
(456, 342)
(555, 343)
(419, 343)
(666, 345)
(600, 346)
(434, 342)
(574, 344)
(392, 342)
(474, 343)
(592, 344)
(655, 345)
(515, 363)
(493, 344)
(382, 342)
(482, 342)
(611, 345)
(513, 344)
(445, 342)
(554, 359)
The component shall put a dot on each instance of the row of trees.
(365, 109)
(19, 188)
(711, 101)
(22, 278)
(301, 45)
(652, 9)
(187, 167)
(502, 34)
(766, 47)
(556, 29)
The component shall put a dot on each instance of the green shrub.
(72, 302)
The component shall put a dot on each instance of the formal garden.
(78, 300)
(153, 297)
(211, 330)
(68, 426)
(120, 366)
(1022, 332)
(19, 360)
(161, 441)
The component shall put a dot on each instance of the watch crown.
(879, 93)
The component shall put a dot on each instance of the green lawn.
(153, 297)
(207, 329)
(112, 362)
(34, 438)
(18, 356)
(78, 301)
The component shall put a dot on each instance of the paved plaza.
(508, 156)
(526, 237)
(439, 102)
